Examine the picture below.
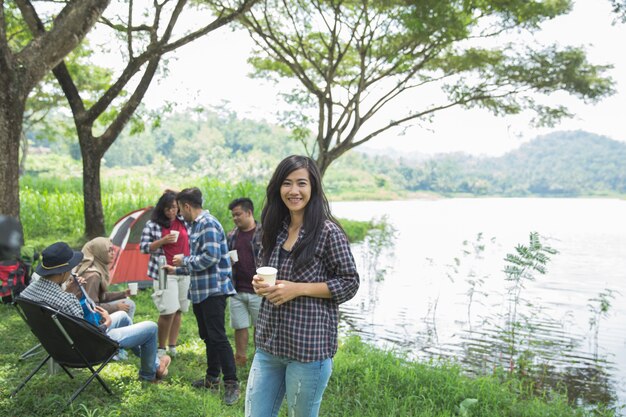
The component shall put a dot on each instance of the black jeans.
(219, 354)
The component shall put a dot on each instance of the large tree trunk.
(21, 70)
(11, 116)
(94, 214)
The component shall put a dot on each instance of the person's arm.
(343, 282)
(165, 240)
(112, 296)
(146, 238)
(73, 307)
(92, 285)
(109, 308)
(209, 253)
(285, 291)
(151, 239)
(106, 319)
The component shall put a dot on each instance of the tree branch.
(158, 48)
(45, 51)
(116, 127)
(61, 73)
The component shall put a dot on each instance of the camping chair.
(70, 341)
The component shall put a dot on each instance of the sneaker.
(172, 350)
(164, 362)
(161, 352)
(211, 382)
(231, 392)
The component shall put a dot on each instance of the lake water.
(415, 298)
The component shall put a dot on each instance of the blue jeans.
(141, 338)
(272, 378)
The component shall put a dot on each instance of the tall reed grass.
(52, 209)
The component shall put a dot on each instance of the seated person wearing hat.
(57, 261)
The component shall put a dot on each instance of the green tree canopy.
(619, 8)
(101, 107)
(345, 63)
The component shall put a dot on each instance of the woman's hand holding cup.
(169, 239)
(259, 285)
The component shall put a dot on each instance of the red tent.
(130, 265)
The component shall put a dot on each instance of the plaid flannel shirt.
(151, 233)
(305, 328)
(51, 294)
(209, 262)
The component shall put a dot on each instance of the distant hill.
(562, 163)
(567, 163)
(574, 163)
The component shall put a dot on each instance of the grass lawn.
(365, 382)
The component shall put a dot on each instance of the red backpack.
(13, 279)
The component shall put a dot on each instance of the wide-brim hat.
(57, 259)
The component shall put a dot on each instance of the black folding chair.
(70, 341)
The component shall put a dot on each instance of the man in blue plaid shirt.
(209, 268)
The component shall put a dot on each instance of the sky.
(213, 71)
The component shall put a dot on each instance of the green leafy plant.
(520, 268)
(465, 405)
(599, 307)
(468, 265)
(381, 236)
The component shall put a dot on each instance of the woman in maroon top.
(167, 234)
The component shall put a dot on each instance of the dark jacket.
(255, 243)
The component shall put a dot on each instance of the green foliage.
(218, 144)
(356, 230)
(352, 59)
(371, 383)
(468, 266)
(559, 164)
(521, 267)
(619, 8)
(52, 207)
(599, 307)
(381, 236)
(366, 382)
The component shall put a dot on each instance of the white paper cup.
(133, 286)
(234, 257)
(268, 274)
(175, 233)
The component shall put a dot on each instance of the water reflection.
(422, 307)
(543, 351)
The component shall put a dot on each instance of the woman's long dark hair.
(158, 214)
(316, 212)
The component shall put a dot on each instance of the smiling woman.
(295, 191)
(296, 332)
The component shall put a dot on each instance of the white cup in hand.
(234, 257)
(175, 233)
(268, 274)
(133, 287)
